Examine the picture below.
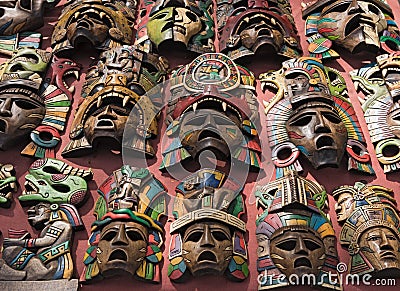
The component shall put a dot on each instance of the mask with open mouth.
(21, 107)
(207, 237)
(310, 113)
(54, 181)
(127, 234)
(371, 230)
(248, 27)
(212, 107)
(8, 184)
(102, 24)
(185, 24)
(354, 25)
(114, 90)
(289, 242)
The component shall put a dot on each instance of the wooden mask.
(294, 234)
(207, 237)
(212, 106)
(370, 229)
(102, 24)
(379, 84)
(127, 234)
(8, 184)
(112, 90)
(250, 27)
(310, 114)
(354, 25)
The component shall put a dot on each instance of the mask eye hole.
(288, 245)
(332, 117)
(302, 120)
(191, 16)
(219, 235)
(311, 245)
(134, 235)
(61, 188)
(194, 236)
(109, 235)
(26, 105)
(51, 170)
(26, 4)
(373, 9)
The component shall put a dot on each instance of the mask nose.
(354, 7)
(5, 108)
(207, 239)
(320, 124)
(121, 238)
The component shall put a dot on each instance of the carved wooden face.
(381, 248)
(319, 132)
(344, 206)
(122, 247)
(173, 23)
(207, 248)
(354, 25)
(297, 250)
(39, 214)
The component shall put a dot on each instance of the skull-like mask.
(56, 182)
(100, 23)
(21, 15)
(207, 248)
(21, 108)
(297, 250)
(173, 23)
(122, 247)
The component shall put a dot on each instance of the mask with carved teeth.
(8, 184)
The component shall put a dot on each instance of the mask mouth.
(207, 257)
(388, 255)
(168, 26)
(30, 188)
(325, 142)
(3, 126)
(118, 255)
(208, 134)
(302, 262)
(104, 123)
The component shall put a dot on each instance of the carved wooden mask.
(311, 114)
(112, 90)
(212, 107)
(207, 235)
(22, 108)
(354, 25)
(8, 184)
(250, 26)
(380, 103)
(289, 240)
(370, 229)
(186, 25)
(101, 23)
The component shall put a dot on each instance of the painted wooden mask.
(290, 239)
(112, 90)
(380, 103)
(101, 23)
(212, 107)
(370, 229)
(127, 234)
(207, 235)
(311, 114)
(8, 184)
(22, 108)
(249, 27)
(187, 25)
(354, 25)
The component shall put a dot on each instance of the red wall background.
(103, 162)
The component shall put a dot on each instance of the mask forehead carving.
(112, 90)
(289, 242)
(212, 107)
(370, 229)
(354, 25)
(207, 235)
(187, 25)
(312, 115)
(22, 109)
(127, 235)
(250, 27)
(55, 181)
(17, 16)
(8, 184)
(103, 24)
(378, 83)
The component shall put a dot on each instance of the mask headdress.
(207, 236)
(294, 233)
(212, 106)
(354, 25)
(310, 113)
(130, 208)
